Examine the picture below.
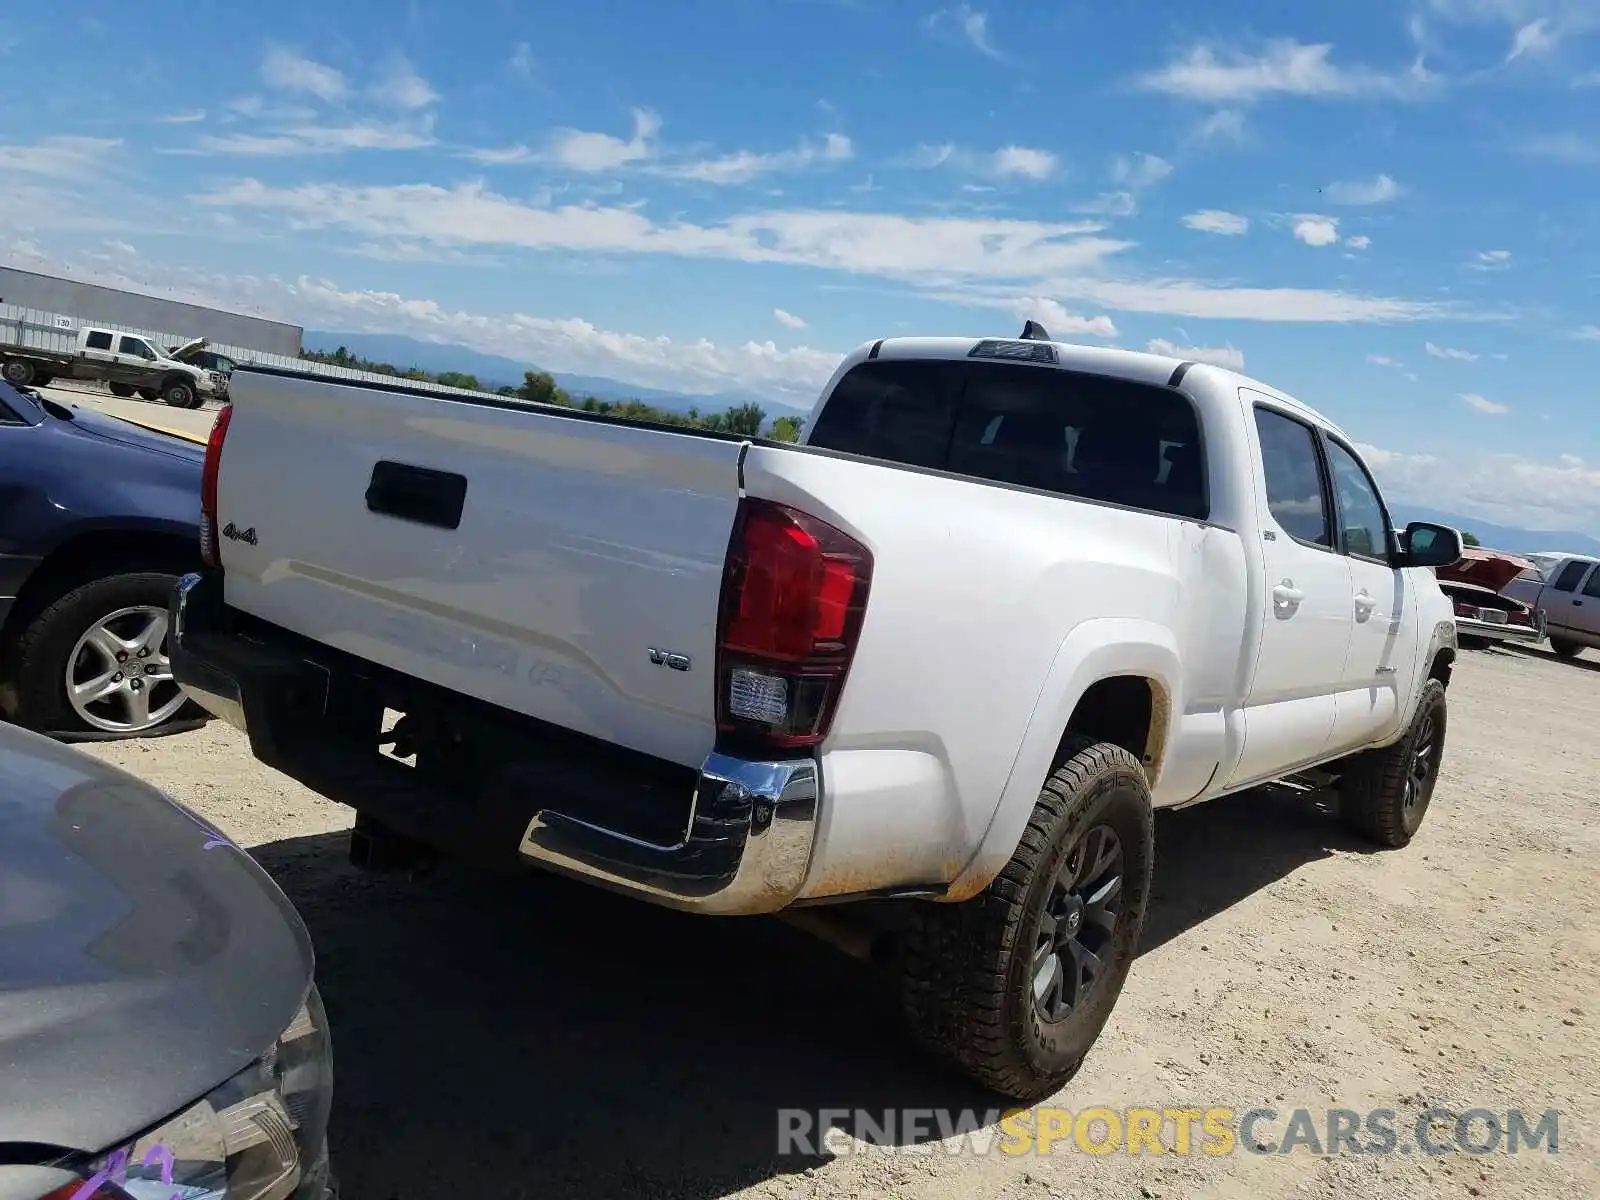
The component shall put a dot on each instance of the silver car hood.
(143, 958)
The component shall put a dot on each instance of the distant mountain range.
(1503, 537)
(494, 371)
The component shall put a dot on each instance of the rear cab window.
(1091, 437)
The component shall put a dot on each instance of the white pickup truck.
(128, 362)
(1008, 597)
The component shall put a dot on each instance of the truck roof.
(1135, 365)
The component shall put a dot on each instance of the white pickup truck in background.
(1008, 597)
(130, 363)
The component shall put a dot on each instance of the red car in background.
(1484, 616)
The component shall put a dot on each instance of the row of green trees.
(540, 387)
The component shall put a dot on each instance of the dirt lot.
(527, 1037)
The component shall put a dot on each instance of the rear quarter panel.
(992, 609)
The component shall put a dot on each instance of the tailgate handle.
(418, 494)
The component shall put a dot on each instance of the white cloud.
(1504, 488)
(1023, 161)
(1481, 404)
(1569, 460)
(290, 71)
(1139, 171)
(118, 246)
(1224, 125)
(1285, 67)
(523, 65)
(1491, 260)
(59, 157)
(1533, 39)
(1358, 242)
(1448, 352)
(1217, 356)
(183, 118)
(318, 139)
(1060, 260)
(401, 87)
(1316, 231)
(502, 155)
(1215, 220)
(580, 151)
(1059, 321)
(787, 319)
(744, 165)
(1372, 191)
(1571, 148)
(1007, 162)
(970, 24)
(1112, 204)
(1587, 333)
(1383, 360)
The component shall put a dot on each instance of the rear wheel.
(1385, 793)
(96, 661)
(120, 389)
(18, 372)
(1014, 986)
(1564, 648)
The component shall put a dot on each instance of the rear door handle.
(1365, 603)
(1287, 593)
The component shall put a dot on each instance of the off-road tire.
(35, 665)
(967, 969)
(1565, 649)
(1373, 788)
(178, 393)
(18, 372)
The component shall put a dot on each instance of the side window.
(1592, 588)
(136, 347)
(1570, 576)
(1364, 527)
(1294, 478)
(99, 339)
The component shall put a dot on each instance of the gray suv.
(160, 1033)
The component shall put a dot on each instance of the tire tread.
(958, 956)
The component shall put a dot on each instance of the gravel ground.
(529, 1037)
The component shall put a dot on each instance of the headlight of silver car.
(262, 1135)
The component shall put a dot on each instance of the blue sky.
(1385, 210)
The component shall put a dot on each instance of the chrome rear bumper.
(745, 848)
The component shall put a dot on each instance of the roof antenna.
(1032, 331)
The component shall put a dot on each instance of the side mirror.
(1425, 544)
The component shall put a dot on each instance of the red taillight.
(210, 554)
(1466, 610)
(793, 595)
(1517, 616)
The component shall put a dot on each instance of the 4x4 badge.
(234, 534)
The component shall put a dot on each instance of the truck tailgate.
(541, 562)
